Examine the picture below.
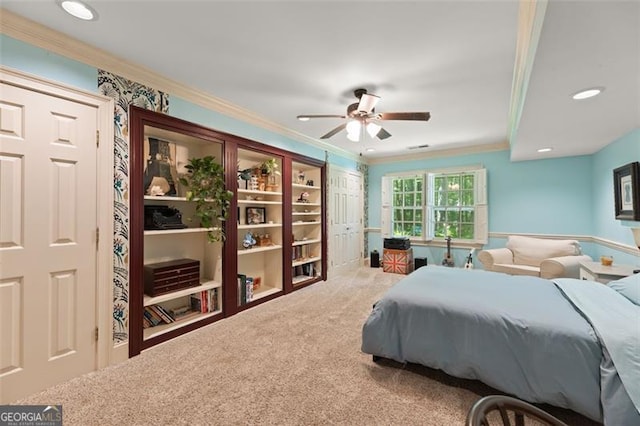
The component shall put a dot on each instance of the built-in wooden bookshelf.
(160, 148)
(286, 230)
(308, 246)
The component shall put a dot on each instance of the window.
(407, 206)
(436, 204)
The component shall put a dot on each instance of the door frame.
(104, 195)
(331, 168)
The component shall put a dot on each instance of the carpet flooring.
(295, 360)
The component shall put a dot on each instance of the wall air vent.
(419, 146)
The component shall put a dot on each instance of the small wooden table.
(596, 271)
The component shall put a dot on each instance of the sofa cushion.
(532, 251)
(508, 268)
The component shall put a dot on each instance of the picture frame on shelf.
(256, 215)
(626, 187)
(160, 174)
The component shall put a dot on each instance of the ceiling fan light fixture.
(353, 137)
(353, 126)
(367, 103)
(373, 129)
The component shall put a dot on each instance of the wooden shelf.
(151, 332)
(301, 279)
(315, 222)
(259, 249)
(306, 204)
(207, 285)
(308, 260)
(301, 186)
(163, 198)
(304, 242)
(259, 202)
(177, 231)
(264, 292)
(305, 213)
(254, 192)
(260, 225)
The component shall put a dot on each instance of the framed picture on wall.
(256, 215)
(626, 188)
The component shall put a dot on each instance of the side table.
(596, 271)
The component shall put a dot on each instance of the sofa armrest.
(562, 267)
(493, 256)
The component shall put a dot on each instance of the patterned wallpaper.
(125, 93)
(364, 169)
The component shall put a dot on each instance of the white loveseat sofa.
(539, 257)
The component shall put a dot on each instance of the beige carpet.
(294, 360)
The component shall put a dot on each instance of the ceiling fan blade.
(308, 116)
(334, 131)
(383, 134)
(367, 103)
(419, 116)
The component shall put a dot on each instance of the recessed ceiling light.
(588, 93)
(303, 118)
(545, 149)
(370, 149)
(78, 9)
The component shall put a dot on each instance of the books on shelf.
(301, 252)
(198, 303)
(205, 301)
(245, 288)
(306, 269)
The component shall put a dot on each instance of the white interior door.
(48, 247)
(346, 242)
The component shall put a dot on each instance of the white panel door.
(47, 240)
(346, 241)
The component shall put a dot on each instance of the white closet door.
(48, 245)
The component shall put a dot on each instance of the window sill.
(460, 244)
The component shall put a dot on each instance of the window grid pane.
(454, 208)
(407, 206)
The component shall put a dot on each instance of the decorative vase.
(272, 183)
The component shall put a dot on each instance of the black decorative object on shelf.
(162, 218)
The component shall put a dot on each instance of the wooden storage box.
(165, 277)
(397, 261)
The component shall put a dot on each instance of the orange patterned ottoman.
(397, 261)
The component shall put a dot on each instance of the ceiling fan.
(361, 115)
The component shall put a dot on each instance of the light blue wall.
(542, 197)
(620, 152)
(34, 60)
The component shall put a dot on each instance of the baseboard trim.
(119, 353)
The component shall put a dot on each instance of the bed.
(567, 342)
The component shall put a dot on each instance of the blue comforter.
(518, 334)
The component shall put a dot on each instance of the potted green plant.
(269, 168)
(206, 187)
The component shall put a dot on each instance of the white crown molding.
(452, 152)
(530, 17)
(38, 35)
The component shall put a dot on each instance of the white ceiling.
(455, 59)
